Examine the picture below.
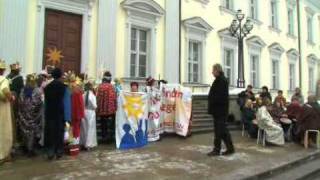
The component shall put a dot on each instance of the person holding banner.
(218, 107)
(134, 87)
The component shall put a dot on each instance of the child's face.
(134, 88)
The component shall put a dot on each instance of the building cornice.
(197, 23)
(143, 6)
(276, 48)
(256, 41)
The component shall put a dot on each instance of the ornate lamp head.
(248, 25)
(240, 15)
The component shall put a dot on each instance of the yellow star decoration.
(134, 106)
(54, 56)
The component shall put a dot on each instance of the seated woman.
(309, 119)
(294, 109)
(274, 132)
(278, 114)
(249, 116)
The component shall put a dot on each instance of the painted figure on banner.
(132, 120)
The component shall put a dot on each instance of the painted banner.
(176, 106)
(154, 128)
(132, 120)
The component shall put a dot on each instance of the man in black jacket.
(218, 107)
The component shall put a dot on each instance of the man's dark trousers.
(221, 133)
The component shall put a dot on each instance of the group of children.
(52, 110)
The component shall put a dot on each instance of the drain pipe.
(180, 80)
(299, 44)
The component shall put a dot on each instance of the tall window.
(228, 4)
(253, 9)
(254, 76)
(311, 80)
(194, 62)
(228, 64)
(292, 75)
(138, 59)
(274, 14)
(275, 74)
(310, 28)
(290, 22)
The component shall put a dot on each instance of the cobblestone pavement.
(172, 158)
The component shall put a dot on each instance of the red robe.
(106, 100)
(77, 109)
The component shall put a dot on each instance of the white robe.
(273, 130)
(88, 133)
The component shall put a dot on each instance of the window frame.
(311, 79)
(310, 28)
(290, 21)
(274, 14)
(230, 4)
(255, 13)
(256, 83)
(231, 67)
(292, 76)
(138, 52)
(275, 85)
(199, 62)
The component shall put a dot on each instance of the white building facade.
(176, 40)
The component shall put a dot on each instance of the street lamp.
(240, 32)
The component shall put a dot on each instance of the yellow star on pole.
(54, 55)
(134, 106)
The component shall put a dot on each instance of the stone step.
(199, 111)
(299, 169)
(202, 130)
(201, 116)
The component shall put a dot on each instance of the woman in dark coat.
(249, 115)
(309, 119)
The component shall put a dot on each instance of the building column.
(106, 48)
(13, 33)
(171, 62)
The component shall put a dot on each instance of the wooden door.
(63, 31)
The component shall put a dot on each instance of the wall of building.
(107, 40)
(219, 19)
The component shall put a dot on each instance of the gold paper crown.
(70, 78)
(2, 64)
(32, 78)
(15, 66)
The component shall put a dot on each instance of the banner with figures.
(132, 120)
(154, 103)
(176, 106)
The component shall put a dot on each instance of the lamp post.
(240, 31)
